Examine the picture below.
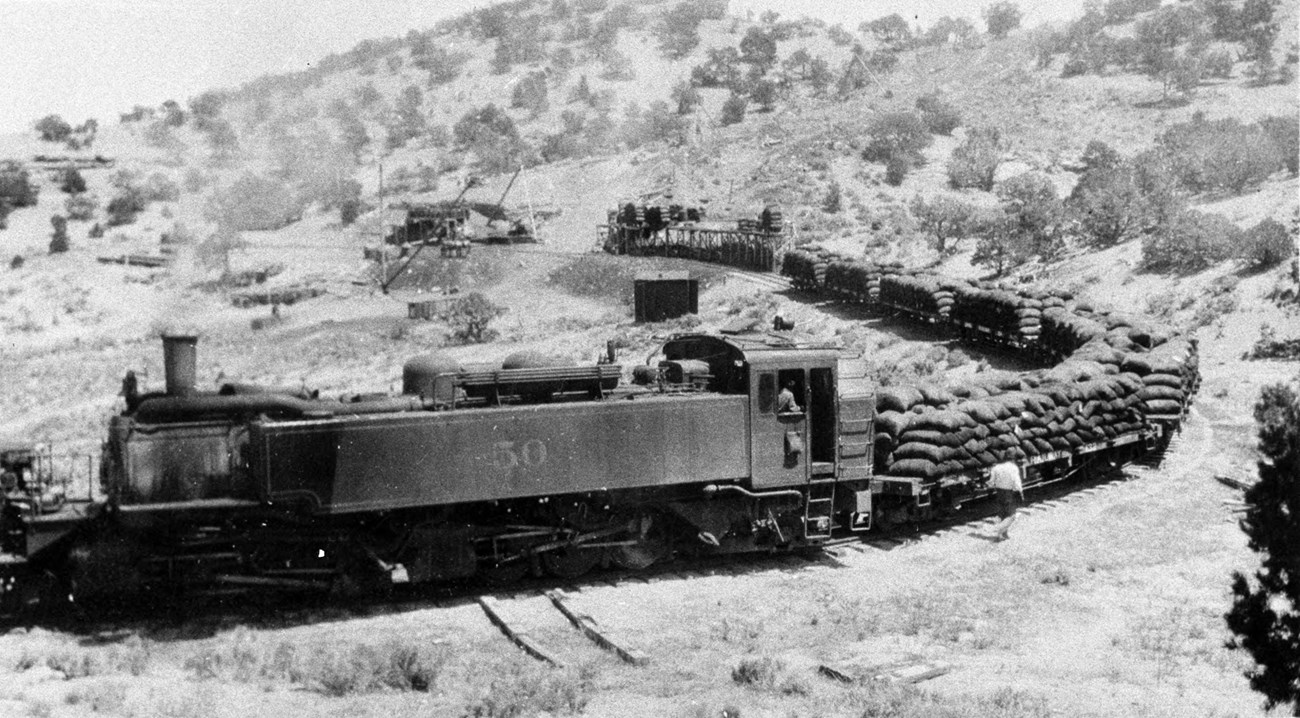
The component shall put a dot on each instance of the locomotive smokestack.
(180, 358)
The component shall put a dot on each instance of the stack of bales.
(925, 294)
(808, 267)
(1001, 310)
(857, 281)
(841, 278)
(919, 440)
(1169, 374)
(801, 268)
(1062, 332)
(1113, 371)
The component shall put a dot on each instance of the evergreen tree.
(1265, 614)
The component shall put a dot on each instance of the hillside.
(584, 99)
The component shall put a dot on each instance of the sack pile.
(971, 435)
(1170, 375)
(922, 293)
(802, 269)
(1113, 371)
(1001, 310)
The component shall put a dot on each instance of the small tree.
(678, 31)
(832, 202)
(1285, 135)
(896, 169)
(16, 187)
(949, 30)
(81, 207)
(223, 141)
(1178, 71)
(733, 110)
(1001, 246)
(1100, 156)
(469, 319)
(1265, 613)
(408, 119)
(758, 48)
(1190, 242)
(73, 182)
(1034, 211)
(1267, 244)
(939, 115)
(685, 97)
(945, 218)
(530, 94)
(59, 238)
(838, 35)
(173, 113)
(1108, 206)
(891, 31)
(53, 128)
(975, 161)
(896, 134)
(1002, 18)
(720, 69)
(124, 206)
(763, 93)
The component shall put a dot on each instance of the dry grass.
(336, 670)
(529, 689)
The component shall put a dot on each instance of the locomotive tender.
(491, 473)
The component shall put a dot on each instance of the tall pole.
(383, 245)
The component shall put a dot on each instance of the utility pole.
(383, 248)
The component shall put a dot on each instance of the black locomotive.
(488, 473)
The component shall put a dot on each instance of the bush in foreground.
(1265, 614)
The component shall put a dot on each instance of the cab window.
(793, 379)
(767, 393)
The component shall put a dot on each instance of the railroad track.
(548, 626)
(766, 280)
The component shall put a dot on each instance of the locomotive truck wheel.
(570, 562)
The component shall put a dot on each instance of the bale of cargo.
(898, 398)
(942, 420)
(983, 413)
(929, 452)
(892, 422)
(915, 468)
(934, 437)
(935, 395)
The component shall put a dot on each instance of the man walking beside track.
(1005, 480)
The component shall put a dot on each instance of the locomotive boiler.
(485, 473)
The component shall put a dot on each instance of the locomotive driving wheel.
(652, 543)
(574, 559)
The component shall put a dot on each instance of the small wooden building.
(665, 295)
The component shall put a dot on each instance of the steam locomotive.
(487, 473)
